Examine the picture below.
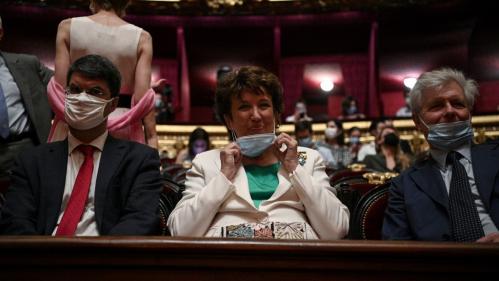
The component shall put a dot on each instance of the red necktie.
(79, 195)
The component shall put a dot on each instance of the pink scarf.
(127, 125)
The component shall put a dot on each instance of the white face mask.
(254, 145)
(84, 111)
(331, 133)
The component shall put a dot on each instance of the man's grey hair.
(437, 79)
(0, 22)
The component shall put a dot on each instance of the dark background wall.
(408, 43)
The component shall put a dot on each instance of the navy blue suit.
(126, 191)
(418, 204)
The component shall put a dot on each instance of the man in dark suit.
(91, 183)
(452, 194)
(23, 84)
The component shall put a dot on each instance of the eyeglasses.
(74, 90)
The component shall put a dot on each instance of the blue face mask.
(352, 110)
(254, 145)
(306, 142)
(354, 140)
(449, 136)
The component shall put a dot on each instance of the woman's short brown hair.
(247, 78)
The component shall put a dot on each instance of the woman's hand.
(231, 159)
(289, 155)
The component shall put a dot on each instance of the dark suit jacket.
(32, 78)
(418, 204)
(126, 192)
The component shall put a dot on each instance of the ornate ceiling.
(259, 7)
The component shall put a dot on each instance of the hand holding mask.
(288, 156)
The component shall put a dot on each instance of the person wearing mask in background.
(354, 143)
(405, 111)
(300, 113)
(129, 48)
(335, 143)
(25, 114)
(371, 148)
(199, 141)
(304, 135)
(259, 185)
(390, 158)
(91, 183)
(350, 109)
(452, 194)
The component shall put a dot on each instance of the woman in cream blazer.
(217, 201)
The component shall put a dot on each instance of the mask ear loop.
(421, 119)
(233, 134)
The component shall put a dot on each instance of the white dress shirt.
(87, 225)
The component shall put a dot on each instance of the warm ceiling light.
(327, 85)
(409, 82)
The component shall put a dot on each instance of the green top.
(262, 181)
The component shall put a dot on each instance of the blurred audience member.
(163, 104)
(390, 158)
(335, 142)
(406, 110)
(199, 141)
(300, 113)
(370, 148)
(354, 144)
(24, 109)
(350, 109)
(304, 135)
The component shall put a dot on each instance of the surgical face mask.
(391, 139)
(354, 140)
(331, 133)
(199, 146)
(301, 108)
(352, 110)
(449, 136)
(306, 142)
(254, 145)
(84, 111)
(158, 103)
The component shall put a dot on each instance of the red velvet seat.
(172, 193)
(344, 174)
(367, 220)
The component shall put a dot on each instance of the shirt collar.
(98, 142)
(440, 156)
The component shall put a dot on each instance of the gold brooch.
(302, 157)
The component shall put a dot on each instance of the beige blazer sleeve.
(201, 199)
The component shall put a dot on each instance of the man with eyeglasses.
(91, 183)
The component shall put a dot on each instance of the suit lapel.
(54, 172)
(429, 180)
(242, 187)
(283, 186)
(20, 78)
(485, 169)
(112, 154)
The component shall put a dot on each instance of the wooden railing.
(167, 258)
